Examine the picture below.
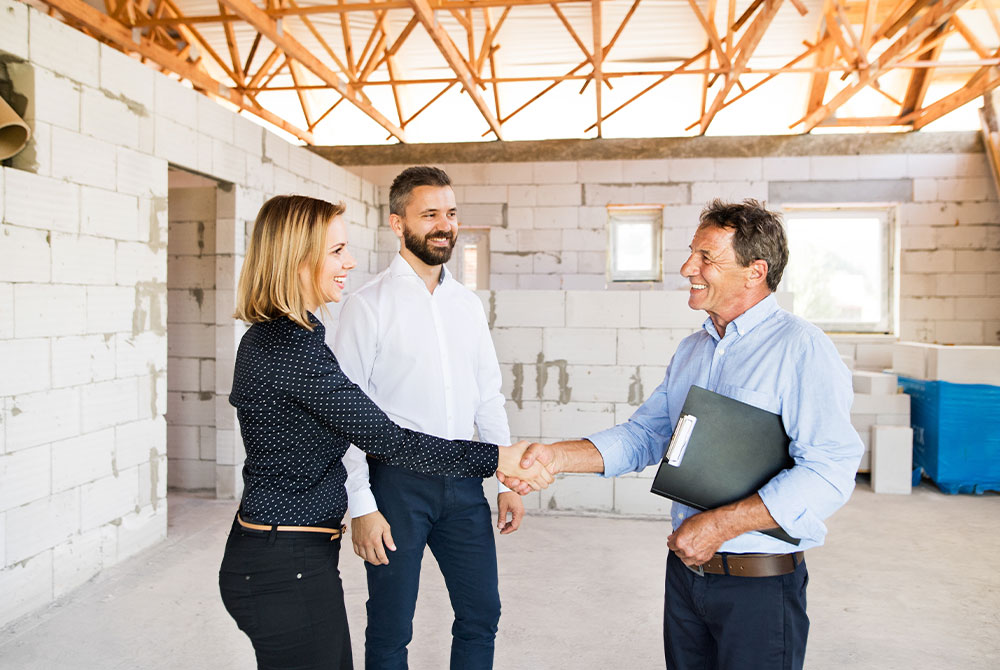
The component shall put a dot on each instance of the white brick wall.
(950, 227)
(83, 298)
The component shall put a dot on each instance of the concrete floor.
(905, 582)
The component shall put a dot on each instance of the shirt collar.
(748, 320)
(400, 268)
(318, 326)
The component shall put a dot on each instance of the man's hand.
(543, 454)
(509, 469)
(701, 535)
(368, 535)
(697, 539)
(509, 504)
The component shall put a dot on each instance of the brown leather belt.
(334, 533)
(749, 565)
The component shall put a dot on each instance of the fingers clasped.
(522, 474)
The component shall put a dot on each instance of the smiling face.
(719, 284)
(336, 262)
(429, 226)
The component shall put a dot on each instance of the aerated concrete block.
(26, 253)
(82, 459)
(892, 459)
(579, 493)
(41, 525)
(27, 476)
(595, 346)
(867, 403)
(602, 309)
(874, 383)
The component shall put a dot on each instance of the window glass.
(840, 268)
(634, 243)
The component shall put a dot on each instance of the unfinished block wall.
(84, 314)
(191, 397)
(548, 220)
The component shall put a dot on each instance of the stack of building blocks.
(877, 402)
(892, 459)
(956, 413)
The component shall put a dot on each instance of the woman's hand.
(535, 477)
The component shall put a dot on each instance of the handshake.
(525, 467)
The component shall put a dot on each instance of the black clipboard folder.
(722, 450)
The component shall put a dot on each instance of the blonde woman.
(298, 413)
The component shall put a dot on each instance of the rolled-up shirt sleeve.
(826, 448)
(639, 442)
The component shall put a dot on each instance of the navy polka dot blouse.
(298, 413)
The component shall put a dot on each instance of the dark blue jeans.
(451, 516)
(285, 594)
(722, 622)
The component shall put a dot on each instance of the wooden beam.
(347, 7)
(298, 76)
(488, 48)
(744, 49)
(984, 81)
(934, 17)
(345, 31)
(234, 52)
(991, 12)
(604, 53)
(969, 36)
(264, 68)
(571, 31)
(119, 36)
(871, 11)
(442, 40)
(920, 79)
(713, 34)
(598, 60)
(326, 45)
(802, 56)
(859, 47)
(821, 78)
(294, 50)
(678, 70)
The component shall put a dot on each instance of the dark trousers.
(284, 591)
(451, 516)
(734, 623)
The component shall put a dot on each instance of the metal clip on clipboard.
(679, 440)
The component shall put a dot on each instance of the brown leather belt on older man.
(749, 565)
(334, 533)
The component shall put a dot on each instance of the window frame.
(888, 213)
(615, 212)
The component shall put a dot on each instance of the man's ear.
(396, 223)
(757, 273)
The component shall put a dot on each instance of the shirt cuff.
(362, 502)
(790, 512)
(610, 447)
(501, 488)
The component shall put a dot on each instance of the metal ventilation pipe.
(14, 132)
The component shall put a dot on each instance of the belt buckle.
(696, 569)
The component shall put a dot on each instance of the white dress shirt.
(425, 358)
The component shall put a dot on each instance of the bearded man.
(418, 343)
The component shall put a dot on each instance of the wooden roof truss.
(858, 42)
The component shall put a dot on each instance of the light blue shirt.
(779, 362)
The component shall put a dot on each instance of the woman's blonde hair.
(290, 230)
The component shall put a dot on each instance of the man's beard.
(420, 247)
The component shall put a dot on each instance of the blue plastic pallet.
(956, 433)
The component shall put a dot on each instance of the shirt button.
(298, 576)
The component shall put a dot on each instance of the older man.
(749, 349)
